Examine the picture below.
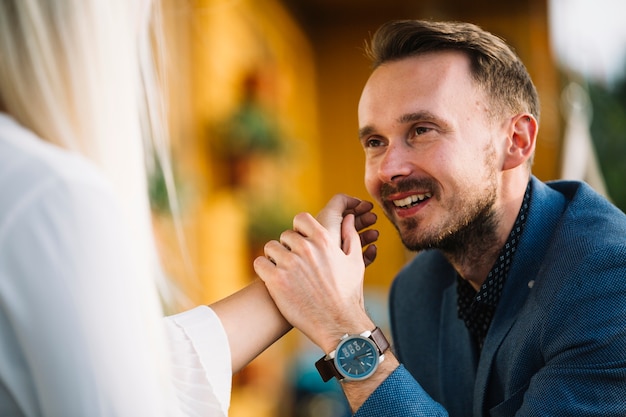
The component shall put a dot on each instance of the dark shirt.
(476, 308)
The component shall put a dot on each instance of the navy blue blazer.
(557, 342)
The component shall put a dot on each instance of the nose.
(396, 162)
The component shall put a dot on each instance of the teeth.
(410, 200)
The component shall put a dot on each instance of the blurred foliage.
(267, 219)
(160, 196)
(608, 129)
(250, 130)
(157, 189)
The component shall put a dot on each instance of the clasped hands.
(314, 273)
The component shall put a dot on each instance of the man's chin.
(414, 242)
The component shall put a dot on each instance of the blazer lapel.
(546, 207)
(457, 358)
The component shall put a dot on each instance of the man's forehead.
(427, 70)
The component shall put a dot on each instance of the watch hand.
(364, 354)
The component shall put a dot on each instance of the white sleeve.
(200, 358)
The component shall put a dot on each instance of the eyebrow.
(417, 116)
(404, 119)
(365, 131)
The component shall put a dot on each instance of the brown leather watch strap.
(327, 369)
(381, 341)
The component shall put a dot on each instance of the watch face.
(356, 357)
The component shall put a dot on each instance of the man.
(516, 303)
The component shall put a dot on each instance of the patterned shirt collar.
(476, 308)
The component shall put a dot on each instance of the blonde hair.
(81, 75)
(71, 71)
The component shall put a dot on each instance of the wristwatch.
(356, 357)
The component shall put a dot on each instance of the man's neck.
(473, 248)
(476, 257)
(474, 263)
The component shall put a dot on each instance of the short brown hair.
(495, 66)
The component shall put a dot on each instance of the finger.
(368, 236)
(290, 239)
(274, 250)
(304, 224)
(344, 204)
(285, 244)
(263, 266)
(369, 254)
(331, 216)
(350, 238)
(362, 207)
(365, 220)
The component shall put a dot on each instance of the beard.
(470, 229)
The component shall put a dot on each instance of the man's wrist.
(333, 337)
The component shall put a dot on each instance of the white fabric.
(201, 360)
(72, 342)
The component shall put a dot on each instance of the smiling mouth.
(412, 200)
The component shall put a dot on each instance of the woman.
(81, 323)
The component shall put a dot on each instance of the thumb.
(351, 241)
(331, 216)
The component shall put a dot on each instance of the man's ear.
(522, 137)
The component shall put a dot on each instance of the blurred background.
(263, 97)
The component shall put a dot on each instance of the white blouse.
(72, 340)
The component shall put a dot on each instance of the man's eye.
(373, 143)
(420, 130)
